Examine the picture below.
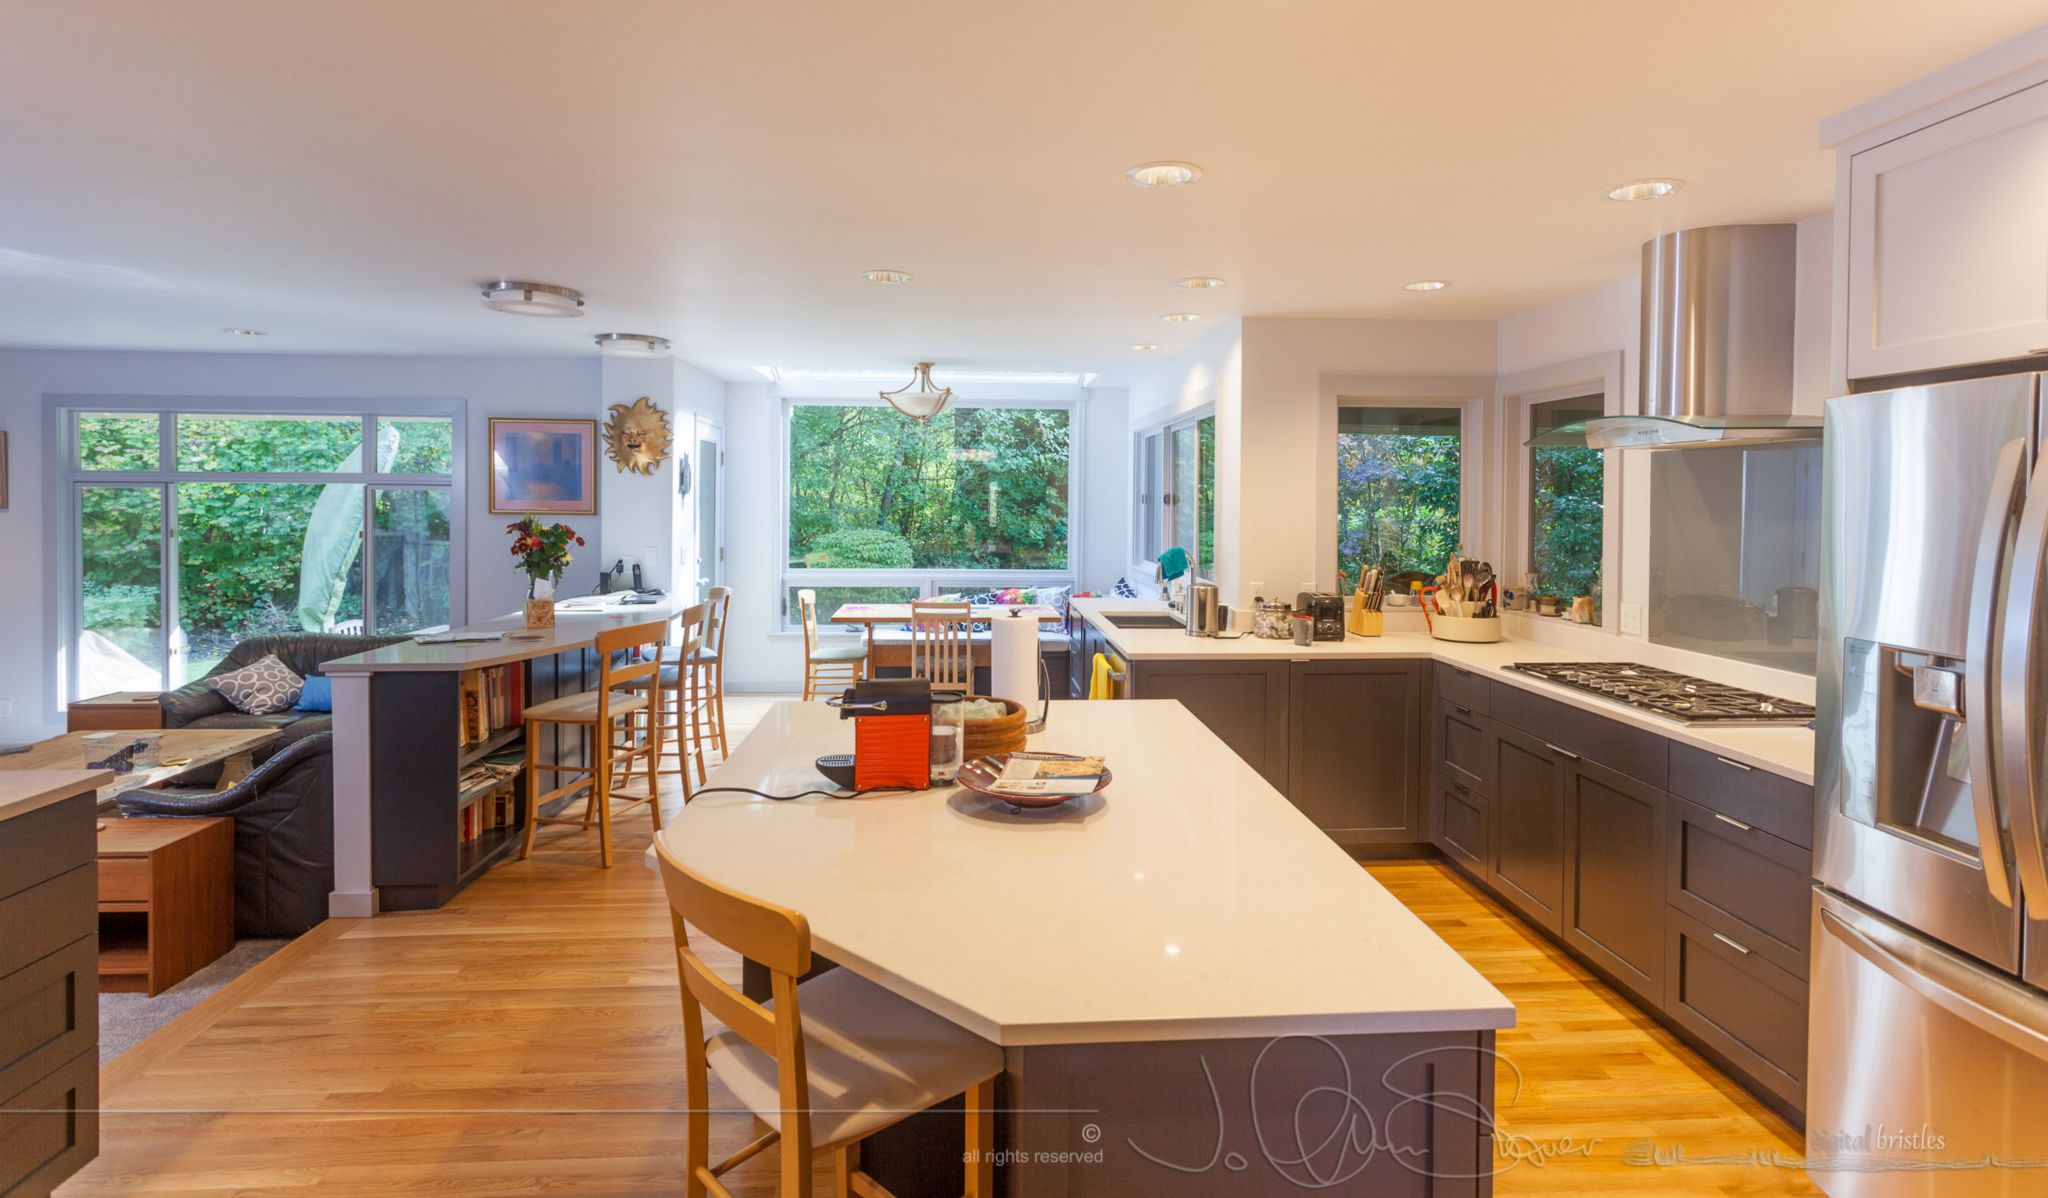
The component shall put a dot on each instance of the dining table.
(871, 615)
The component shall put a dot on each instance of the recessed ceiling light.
(1198, 283)
(1164, 174)
(1180, 317)
(1426, 285)
(632, 345)
(1142, 348)
(533, 299)
(1646, 189)
(246, 332)
(886, 276)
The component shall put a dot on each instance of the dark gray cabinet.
(1528, 826)
(1613, 875)
(1245, 703)
(1461, 827)
(1354, 748)
(1746, 1011)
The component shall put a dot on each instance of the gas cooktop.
(1676, 697)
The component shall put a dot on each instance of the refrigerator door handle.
(1981, 695)
(1985, 1001)
(2018, 768)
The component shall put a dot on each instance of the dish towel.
(1098, 678)
(1173, 563)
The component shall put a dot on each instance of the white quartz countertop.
(1786, 750)
(1188, 900)
(576, 627)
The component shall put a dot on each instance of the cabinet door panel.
(1464, 744)
(1528, 826)
(1740, 1005)
(1461, 827)
(1243, 703)
(1614, 875)
(1741, 880)
(1355, 747)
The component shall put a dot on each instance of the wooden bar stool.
(942, 644)
(827, 1063)
(604, 715)
(678, 699)
(710, 663)
(826, 663)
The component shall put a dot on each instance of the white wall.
(645, 519)
(491, 386)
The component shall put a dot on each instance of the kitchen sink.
(1141, 619)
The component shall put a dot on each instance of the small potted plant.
(543, 553)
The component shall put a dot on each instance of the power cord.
(829, 794)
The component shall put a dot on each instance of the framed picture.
(548, 467)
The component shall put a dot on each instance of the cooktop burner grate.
(1674, 696)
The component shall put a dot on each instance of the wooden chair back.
(691, 628)
(617, 666)
(807, 612)
(719, 602)
(941, 647)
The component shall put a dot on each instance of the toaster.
(1326, 611)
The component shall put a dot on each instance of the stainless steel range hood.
(1717, 345)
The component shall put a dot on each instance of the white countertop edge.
(1726, 742)
(573, 630)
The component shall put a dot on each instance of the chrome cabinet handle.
(1560, 752)
(1731, 944)
(1729, 819)
(1461, 710)
(1980, 696)
(1737, 764)
(2019, 772)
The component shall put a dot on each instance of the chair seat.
(582, 709)
(674, 653)
(853, 652)
(871, 1056)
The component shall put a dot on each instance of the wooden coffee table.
(191, 748)
(167, 899)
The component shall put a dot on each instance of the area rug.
(127, 1019)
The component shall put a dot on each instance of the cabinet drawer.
(45, 918)
(124, 879)
(51, 1129)
(1463, 688)
(1742, 881)
(49, 1013)
(1757, 797)
(1461, 825)
(1638, 753)
(1465, 747)
(46, 842)
(1743, 1007)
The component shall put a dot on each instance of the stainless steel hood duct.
(1717, 344)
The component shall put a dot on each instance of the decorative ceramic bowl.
(979, 775)
(1004, 734)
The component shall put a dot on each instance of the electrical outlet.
(6, 709)
(1631, 619)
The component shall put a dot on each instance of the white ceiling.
(342, 172)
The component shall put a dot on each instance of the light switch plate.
(1631, 619)
(6, 709)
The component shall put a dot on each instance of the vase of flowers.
(543, 553)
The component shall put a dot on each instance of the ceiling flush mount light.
(1144, 348)
(1164, 174)
(1646, 189)
(1426, 285)
(245, 332)
(533, 299)
(887, 277)
(632, 345)
(1198, 283)
(1181, 317)
(919, 399)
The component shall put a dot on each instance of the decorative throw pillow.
(263, 687)
(318, 695)
(1124, 590)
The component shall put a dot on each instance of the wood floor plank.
(526, 1040)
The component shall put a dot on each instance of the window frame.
(68, 482)
(1151, 520)
(1469, 396)
(929, 580)
(1520, 393)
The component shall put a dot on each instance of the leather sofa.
(198, 705)
(284, 834)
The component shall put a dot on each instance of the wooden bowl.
(1004, 734)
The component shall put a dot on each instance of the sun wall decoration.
(637, 437)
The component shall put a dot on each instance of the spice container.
(1304, 628)
(1270, 618)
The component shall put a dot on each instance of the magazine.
(1048, 774)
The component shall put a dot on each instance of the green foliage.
(972, 488)
(121, 605)
(858, 548)
(1566, 493)
(1205, 497)
(1397, 503)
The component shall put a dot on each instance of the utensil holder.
(1359, 622)
(1471, 630)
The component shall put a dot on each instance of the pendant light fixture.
(925, 401)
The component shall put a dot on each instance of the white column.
(354, 895)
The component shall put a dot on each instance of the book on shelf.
(493, 700)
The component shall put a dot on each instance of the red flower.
(579, 540)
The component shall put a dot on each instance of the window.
(1567, 497)
(1176, 492)
(977, 498)
(1399, 478)
(197, 529)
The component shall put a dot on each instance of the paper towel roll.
(1013, 661)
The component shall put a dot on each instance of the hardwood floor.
(525, 1040)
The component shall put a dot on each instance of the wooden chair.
(827, 663)
(605, 716)
(827, 1063)
(941, 644)
(708, 713)
(679, 700)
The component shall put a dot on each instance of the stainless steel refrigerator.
(1928, 1052)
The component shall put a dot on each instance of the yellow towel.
(1098, 678)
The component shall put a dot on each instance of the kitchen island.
(1188, 980)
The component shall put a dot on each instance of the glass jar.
(1304, 629)
(949, 713)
